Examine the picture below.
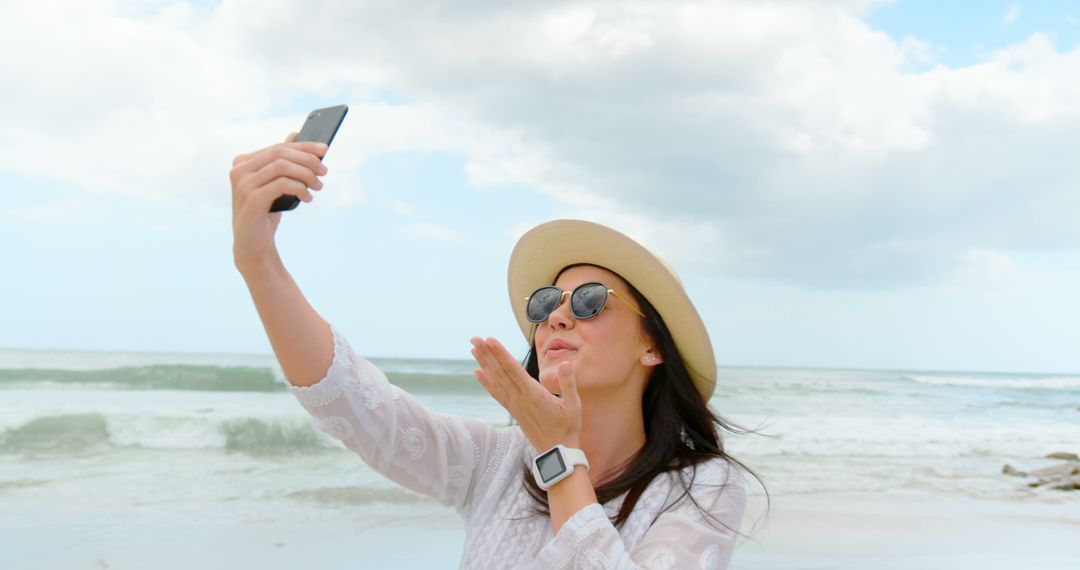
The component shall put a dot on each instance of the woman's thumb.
(568, 384)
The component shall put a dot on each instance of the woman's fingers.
(282, 186)
(543, 417)
(300, 153)
(283, 168)
(517, 374)
(251, 162)
(260, 177)
(493, 386)
(494, 371)
(318, 149)
(520, 389)
(568, 384)
(493, 389)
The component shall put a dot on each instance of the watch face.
(550, 465)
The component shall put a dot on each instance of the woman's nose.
(561, 318)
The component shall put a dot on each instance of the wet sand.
(826, 531)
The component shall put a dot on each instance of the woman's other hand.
(258, 178)
(544, 418)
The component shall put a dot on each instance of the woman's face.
(606, 350)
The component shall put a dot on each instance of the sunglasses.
(586, 301)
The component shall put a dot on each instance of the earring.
(648, 359)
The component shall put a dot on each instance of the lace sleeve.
(681, 537)
(438, 455)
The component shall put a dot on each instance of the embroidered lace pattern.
(475, 468)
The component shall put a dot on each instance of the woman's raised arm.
(301, 339)
(449, 458)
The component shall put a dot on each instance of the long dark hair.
(680, 427)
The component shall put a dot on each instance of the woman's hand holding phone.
(261, 177)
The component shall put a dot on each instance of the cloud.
(151, 101)
(1012, 13)
(787, 141)
(988, 273)
(916, 51)
(792, 137)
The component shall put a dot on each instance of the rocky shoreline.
(1061, 477)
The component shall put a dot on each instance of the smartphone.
(321, 126)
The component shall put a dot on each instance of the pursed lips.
(557, 348)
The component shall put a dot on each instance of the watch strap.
(574, 456)
(570, 458)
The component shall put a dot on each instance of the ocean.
(120, 460)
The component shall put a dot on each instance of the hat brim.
(547, 249)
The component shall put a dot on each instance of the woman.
(615, 460)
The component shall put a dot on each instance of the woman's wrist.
(571, 442)
(258, 265)
(570, 496)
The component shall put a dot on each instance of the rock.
(1061, 477)
(1067, 484)
(1063, 455)
(1056, 471)
(1064, 477)
(1010, 470)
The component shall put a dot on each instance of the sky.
(841, 183)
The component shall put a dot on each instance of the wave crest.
(1015, 382)
(94, 432)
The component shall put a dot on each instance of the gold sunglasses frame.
(562, 298)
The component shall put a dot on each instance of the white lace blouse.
(476, 468)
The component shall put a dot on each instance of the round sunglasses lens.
(588, 300)
(542, 303)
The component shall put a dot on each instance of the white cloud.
(151, 101)
(997, 279)
(786, 140)
(1012, 13)
(988, 273)
(792, 130)
(915, 50)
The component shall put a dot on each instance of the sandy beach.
(915, 530)
(822, 531)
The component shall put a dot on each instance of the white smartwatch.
(557, 464)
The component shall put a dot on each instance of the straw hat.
(545, 250)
